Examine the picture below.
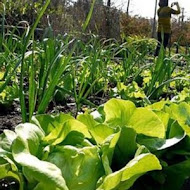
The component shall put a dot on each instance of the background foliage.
(67, 16)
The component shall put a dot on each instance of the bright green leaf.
(100, 132)
(60, 132)
(142, 120)
(81, 168)
(41, 171)
(146, 122)
(50, 122)
(181, 113)
(124, 178)
(118, 112)
(31, 136)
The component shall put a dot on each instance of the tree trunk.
(108, 21)
(109, 3)
(154, 21)
(128, 7)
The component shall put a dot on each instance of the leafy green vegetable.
(154, 144)
(61, 152)
(31, 136)
(142, 120)
(81, 168)
(50, 122)
(87, 120)
(118, 112)
(147, 122)
(181, 170)
(125, 148)
(59, 133)
(100, 136)
(41, 171)
(6, 140)
(124, 178)
(181, 113)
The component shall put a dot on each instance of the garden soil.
(10, 116)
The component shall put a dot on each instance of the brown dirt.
(10, 116)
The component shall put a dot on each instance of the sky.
(145, 8)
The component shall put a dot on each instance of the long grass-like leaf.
(27, 39)
(32, 85)
(8, 79)
(167, 82)
(156, 74)
(56, 77)
(50, 90)
(89, 16)
(50, 66)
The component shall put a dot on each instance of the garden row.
(129, 124)
(108, 149)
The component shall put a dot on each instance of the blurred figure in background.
(164, 23)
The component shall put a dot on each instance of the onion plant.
(44, 66)
(51, 77)
(39, 72)
(86, 23)
(25, 46)
(161, 72)
(40, 66)
(133, 55)
(90, 70)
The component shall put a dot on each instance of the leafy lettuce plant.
(117, 147)
(162, 129)
(61, 152)
(172, 151)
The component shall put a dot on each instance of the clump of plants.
(114, 147)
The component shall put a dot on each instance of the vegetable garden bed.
(108, 149)
(138, 141)
(93, 115)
